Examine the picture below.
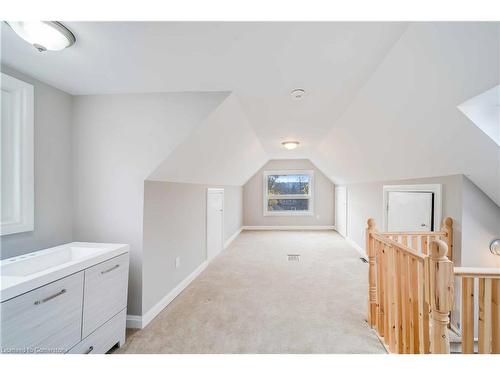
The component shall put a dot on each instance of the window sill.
(289, 213)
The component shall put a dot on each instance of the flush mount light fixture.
(44, 35)
(290, 145)
(298, 94)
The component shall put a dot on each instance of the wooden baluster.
(425, 248)
(495, 312)
(467, 315)
(380, 289)
(484, 342)
(391, 275)
(387, 293)
(426, 306)
(448, 228)
(414, 295)
(398, 301)
(405, 307)
(421, 280)
(414, 243)
(404, 240)
(409, 306)
(441, 296)
(372, 286)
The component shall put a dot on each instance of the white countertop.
(26, 272)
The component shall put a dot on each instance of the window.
(16, 154)
(288, 193)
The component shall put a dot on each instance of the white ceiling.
(381, 98)
(259, 62)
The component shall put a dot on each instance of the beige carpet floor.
(251, 299)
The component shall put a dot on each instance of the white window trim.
(266, 197)
(24, 196)
(437, 189)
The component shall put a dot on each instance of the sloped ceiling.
(404, 122)
(260, 62)
(381, 98)
(222, 150)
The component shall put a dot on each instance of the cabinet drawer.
(44, 320)
(105, 292)
(104, 337)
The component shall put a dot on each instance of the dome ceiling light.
(44, 35)
(290, 145)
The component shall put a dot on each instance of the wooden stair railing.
(411, 292)
(420, 240)
(488, 300)
(409, 287)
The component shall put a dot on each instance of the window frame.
(266, 196)
(22, 111)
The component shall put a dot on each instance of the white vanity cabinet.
(45, 320)
(105, 292)
(104, 338)
(83, 312)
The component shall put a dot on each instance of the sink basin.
(39, 261)
(30, 271)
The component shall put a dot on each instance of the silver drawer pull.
(51, 297)
(111, 269)
(89, 350)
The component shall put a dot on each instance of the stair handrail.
(416, 287)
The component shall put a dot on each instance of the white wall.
(233, 210)
(53, 172)
(324, 212)
(481, 224)
(365, 200)
(175, 226)
(118, 141)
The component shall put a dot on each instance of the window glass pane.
(288, 205)
(288, 184)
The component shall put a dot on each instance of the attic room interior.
(184, 187)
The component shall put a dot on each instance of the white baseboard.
(288, 227)
(135, 321)
(232, 238)
(358, 248)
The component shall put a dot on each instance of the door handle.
(423, 225)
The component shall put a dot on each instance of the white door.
(341, 210)
(215, 222)
(409, 211)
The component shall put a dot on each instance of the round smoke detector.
(298, 94)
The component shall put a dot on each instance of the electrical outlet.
(177, 262)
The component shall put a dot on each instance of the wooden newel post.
(441, 296)
(448, 228)
(372, 286)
